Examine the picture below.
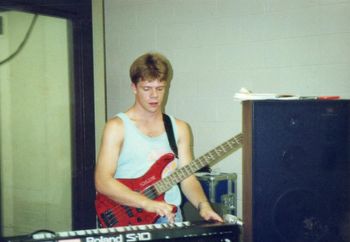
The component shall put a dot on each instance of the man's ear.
(133, 87)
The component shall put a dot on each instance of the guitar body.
(112, 214)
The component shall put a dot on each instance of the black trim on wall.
(79, 12)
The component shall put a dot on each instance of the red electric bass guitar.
(151, 184)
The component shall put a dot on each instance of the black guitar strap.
(170, 133)
(171, 138)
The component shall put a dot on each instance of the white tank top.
(139, 152)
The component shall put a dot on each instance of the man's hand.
(207, 213)
(161, 208)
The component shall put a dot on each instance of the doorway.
(47, 142)
(35, 124)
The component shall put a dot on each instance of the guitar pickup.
(109, 218)
(128, 211)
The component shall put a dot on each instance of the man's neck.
(139, 114)
(149, 123)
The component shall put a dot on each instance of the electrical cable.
(24, 41)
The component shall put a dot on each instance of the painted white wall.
(216, 47)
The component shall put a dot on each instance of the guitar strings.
(192, 167)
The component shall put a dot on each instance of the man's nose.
(154, 93)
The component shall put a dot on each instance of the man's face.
(150, 94)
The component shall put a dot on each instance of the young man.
(133, 141)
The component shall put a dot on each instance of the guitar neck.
(215, 154)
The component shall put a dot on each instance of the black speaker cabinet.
(296, 171)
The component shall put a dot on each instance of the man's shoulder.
(114, 123)
(184, 130)
(181, 124)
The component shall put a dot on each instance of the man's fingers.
(165, 210)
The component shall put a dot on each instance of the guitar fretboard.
(215, 154)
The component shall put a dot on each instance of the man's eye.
(146, 88)
(160, 88)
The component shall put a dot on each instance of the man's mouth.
(153, 104)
